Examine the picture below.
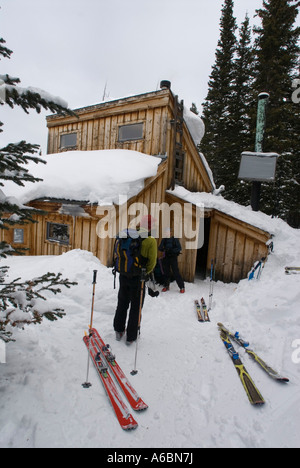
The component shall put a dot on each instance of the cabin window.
(18, 236)
(58, 233)
(68, 140)
(131, 132)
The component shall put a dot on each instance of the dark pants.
(129, 295)
(171, 263)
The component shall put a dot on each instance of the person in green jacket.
(129, 296)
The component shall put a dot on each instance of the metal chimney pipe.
(260, 131)
(165, 84)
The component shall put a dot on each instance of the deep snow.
(100, 176)
(185, 375)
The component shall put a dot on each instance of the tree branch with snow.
(28, 302)
(23, 302)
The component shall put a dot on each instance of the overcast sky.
(74, 48)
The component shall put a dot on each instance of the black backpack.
(127, 253)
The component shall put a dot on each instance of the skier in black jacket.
(171, 248)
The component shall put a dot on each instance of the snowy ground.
(185, 375)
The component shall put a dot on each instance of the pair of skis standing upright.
(202, 311)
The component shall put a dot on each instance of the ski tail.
(253, 393)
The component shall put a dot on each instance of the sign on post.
(2, 352)
(258, 166)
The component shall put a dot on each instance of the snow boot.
(119, 336)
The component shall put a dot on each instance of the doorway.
(201, 262)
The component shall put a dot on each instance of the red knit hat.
(148, 222)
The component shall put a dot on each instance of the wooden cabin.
(153, 123)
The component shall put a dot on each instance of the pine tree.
(217, 106)
(240, 118)
(21, 302)
(277, 65)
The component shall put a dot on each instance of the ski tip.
(283, 380)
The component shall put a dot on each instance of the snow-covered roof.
(196, 128)
(211, 201)
(193, 121)
(92, 176)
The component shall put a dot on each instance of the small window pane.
(131, 132)
(18, 236)
(69, 140)
(58, 233)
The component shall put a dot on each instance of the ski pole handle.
(95, 276)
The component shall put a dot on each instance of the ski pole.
(134, 371)
(211, 287)
(87, 384)
(93, 298)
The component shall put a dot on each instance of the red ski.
(134, 399)
(125, 419)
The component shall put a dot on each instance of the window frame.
(51, 238)
(134, 138)
(66, 147)
(15, 236)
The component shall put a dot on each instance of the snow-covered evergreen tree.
(241, 118)
(276, 66)
(241, 72)
(21, 302)
(218, 104)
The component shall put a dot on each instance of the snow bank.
(195, 125)
(92, 176)
(197, 130)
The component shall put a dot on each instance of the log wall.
(235, 246)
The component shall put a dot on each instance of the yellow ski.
(253, 394)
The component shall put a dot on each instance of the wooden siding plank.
(220, 252)
(229, 255)
(239, 256)
(107, 133)
(90, 135)
(148, 132)
(248, 257)
(114, 132)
